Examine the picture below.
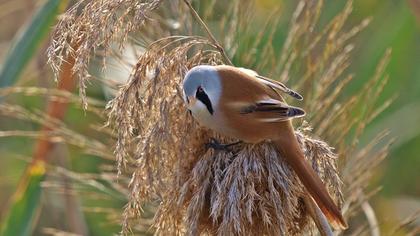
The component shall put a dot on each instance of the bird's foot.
(216, 145)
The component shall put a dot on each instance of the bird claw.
(216, 145)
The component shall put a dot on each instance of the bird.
(239, 103)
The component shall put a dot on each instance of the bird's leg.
(216, 145)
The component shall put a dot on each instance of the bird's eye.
(199, 90)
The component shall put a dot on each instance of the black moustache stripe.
(202, 96)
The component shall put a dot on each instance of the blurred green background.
(395, 24)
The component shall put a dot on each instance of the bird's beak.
(191, 101)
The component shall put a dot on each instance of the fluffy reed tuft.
(250, 191)
(98, 25)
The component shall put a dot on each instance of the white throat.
(202, 114)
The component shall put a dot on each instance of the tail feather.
(294, 156)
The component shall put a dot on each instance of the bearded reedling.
(239, 103)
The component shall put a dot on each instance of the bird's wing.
(278, 86)
(273, 84)
(272, 110)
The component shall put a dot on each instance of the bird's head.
(202, 89)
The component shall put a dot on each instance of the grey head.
(202, 83)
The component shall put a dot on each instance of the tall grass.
(165, 172)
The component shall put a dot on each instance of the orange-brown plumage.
(252, 110)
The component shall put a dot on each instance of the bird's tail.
(291, 151)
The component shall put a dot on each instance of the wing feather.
(276, 85)
(273, 84)
(271, 110)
